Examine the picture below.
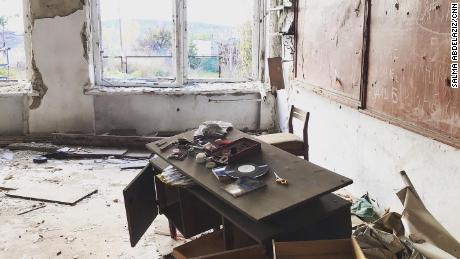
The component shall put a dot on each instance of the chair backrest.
(302, 116)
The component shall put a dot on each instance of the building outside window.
(174, 42)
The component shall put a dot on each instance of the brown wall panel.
(409, 67)
(330, 46)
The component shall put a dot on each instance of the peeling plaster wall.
(372, 153)
(149, 113)
(53, 8)
(11, 116)
(59, 56)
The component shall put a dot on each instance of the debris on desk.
(178, 154)
(247, 169)
(200, 158)
(243, 185)
(220, 174)
(280, 180)
(173, 177)
(211, 165)
(236, 150)
(213, 129)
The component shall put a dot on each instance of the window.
(220, 38)
(12, 53)
(174, 42)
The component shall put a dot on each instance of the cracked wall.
(372, 152)
(54, 8)
(60, 68)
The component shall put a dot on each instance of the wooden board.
(330, 47)
(68, 195)
(142, 154)
(102, 140)
(140, 203)
(275, 70)
(307, 181)
(409, 68)
(95, 151)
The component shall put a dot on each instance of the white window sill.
(195, 89)
(16, 89)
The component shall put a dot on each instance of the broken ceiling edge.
(55, 8)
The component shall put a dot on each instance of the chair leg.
(172, 230)
(306, 156)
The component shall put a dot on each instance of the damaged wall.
(11, 117)
(372, 152)
(147, 113)
(60, 69)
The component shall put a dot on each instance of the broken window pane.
(137, 39)
(12, 52)
(220, 39)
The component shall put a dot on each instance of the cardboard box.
(250, 252)
(211, 246)
(321, 249)
(207, 244)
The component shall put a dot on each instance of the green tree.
(193, 61)
(245, 48)
(3, 22)
(158, 41)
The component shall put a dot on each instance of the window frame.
(180, 50)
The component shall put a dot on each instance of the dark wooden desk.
(327, 217)
(304, 210)
(307, 181)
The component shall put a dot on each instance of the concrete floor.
(94, 228)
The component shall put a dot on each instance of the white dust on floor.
(94, 228)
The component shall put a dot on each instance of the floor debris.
(34, 207)
(73, 230)
(134, 165)
(39, 147)
(141, 154)
(68, 195)
(363, 209)
(413, 234)
(6, 154)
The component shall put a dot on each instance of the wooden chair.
(289, 141)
